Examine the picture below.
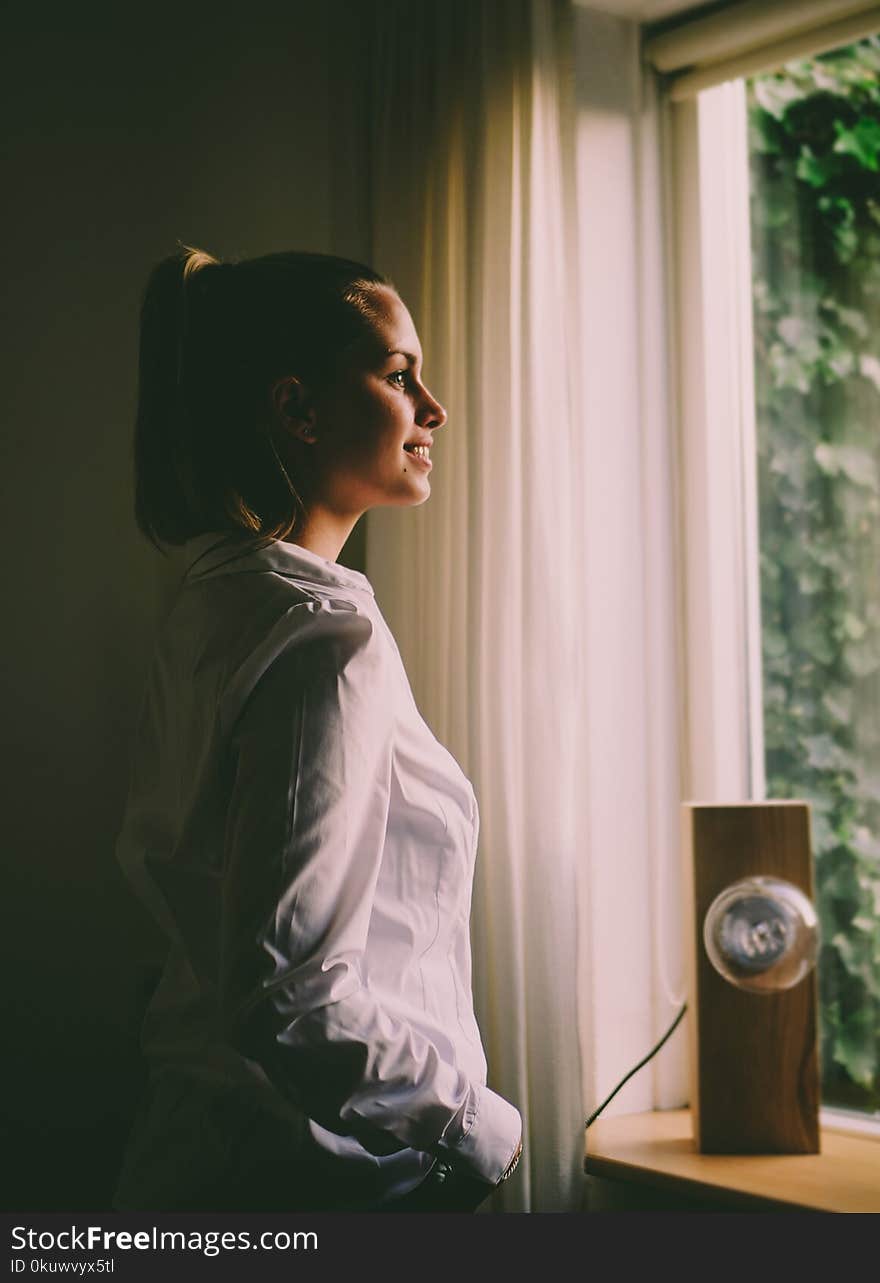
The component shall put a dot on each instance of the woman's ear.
(292, 408)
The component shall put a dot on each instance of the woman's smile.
(421, 454)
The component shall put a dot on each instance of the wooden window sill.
(657, 1149)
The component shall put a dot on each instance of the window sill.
(657, 1149)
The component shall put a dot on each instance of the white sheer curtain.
(517, 592)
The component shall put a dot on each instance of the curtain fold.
(473, 217)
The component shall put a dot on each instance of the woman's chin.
(411, 495)
(426, 494)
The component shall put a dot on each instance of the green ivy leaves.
(814, 132)
(861, 141)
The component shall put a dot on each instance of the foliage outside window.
(814, 132)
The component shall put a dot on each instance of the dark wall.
(236, 129)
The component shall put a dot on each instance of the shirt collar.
(222, 552)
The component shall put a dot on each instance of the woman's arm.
(311, 759)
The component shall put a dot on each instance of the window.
(814, 153)
(776, 214)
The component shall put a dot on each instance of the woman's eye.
(399, 374)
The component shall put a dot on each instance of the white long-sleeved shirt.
(308, 848)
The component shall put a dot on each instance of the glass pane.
(814, 131)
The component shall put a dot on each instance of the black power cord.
(653, 1052)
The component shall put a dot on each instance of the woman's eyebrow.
(391, 351)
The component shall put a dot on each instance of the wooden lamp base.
(753, 1056)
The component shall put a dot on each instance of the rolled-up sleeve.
(309, 761)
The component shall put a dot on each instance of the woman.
(301, 837)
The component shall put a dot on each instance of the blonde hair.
(195, 259)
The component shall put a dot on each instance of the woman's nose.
(433, 415)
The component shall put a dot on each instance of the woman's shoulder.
(302, 635)
(237, 614)
(236, 597)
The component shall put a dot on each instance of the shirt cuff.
(484, 1135)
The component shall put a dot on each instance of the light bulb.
(761, 934)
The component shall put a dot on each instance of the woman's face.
(367, 422)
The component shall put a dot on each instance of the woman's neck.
(324, 533)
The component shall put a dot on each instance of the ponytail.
(213, 337)
(160, 427)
